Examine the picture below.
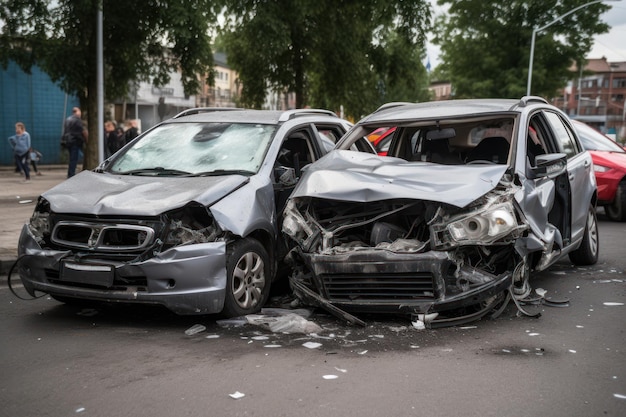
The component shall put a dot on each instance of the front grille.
(102, 237)
(379, 287)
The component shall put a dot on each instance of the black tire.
(587, 253)
(616, 211)
(248, 278)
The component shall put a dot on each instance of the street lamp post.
(536, 30)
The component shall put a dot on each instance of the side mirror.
(549, 165)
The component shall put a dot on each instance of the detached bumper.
(186, 280)
(385, 282)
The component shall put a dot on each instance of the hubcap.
(248, 280)
(593, 233)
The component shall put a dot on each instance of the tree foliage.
(329, 53)
(485, 44)
(143, 40)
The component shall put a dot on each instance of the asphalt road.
(60, 360)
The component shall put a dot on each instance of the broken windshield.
(197, 148)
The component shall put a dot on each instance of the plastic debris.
(330, 377)
(620, 396)
(311, 345)
(418, 324)
(341, 370)
(284, 323)
(80, 410)
(212, 336)
(363, 352)
(533, 334)
(273, 346)
(25, 201)
(195, 329)
(237, 395)
(571, 351)
(260, 338)
(611, 304)
(540, 292)
(468, 327)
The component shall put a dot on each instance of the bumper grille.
(102, 237)
(379, 287)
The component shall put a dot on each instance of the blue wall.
(36, 101)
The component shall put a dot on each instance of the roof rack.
(290, 114)
(197, 110)
(524, 101)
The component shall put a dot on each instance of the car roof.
(229, 114)
(449, 108)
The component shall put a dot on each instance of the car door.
(579, 171)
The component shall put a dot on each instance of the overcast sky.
(612, 45)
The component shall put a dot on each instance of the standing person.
(131, 130)
(20, 142)
(75, 135)
(110, 138)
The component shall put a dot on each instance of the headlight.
(600, 168)
(40, 220)
(484, 227)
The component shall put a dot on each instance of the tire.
(616, 211)
(587, 253)
(248, 278)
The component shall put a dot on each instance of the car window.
(563, 135)
(592, 140)
(198, 148)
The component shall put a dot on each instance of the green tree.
(485, 44)
(144, 40)
(329, 53)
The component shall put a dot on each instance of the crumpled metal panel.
(126, 195)
(361, 177)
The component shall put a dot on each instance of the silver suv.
(473, 196)
(185, 216)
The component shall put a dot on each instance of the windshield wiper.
(218, 172)
(154, 171)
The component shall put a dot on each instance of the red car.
(609, 160)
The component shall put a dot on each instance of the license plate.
(92, 274)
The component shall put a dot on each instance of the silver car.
(185, 216)
(472, 197)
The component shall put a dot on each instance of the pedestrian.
(35, 157)
(110, 138)
(131, 130)
(74, 135)
(20, 142)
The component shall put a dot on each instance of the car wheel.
(587, 253)
(248, 273)
(616, 211)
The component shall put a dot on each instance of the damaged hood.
(360, 177)
(108, 194)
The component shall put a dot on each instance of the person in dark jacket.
(75, 135)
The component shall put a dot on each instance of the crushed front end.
(175, 259)
(415, 257)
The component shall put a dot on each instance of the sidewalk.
(17, 202)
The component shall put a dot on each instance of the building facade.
(596, 97)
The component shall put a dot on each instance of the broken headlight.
(39, 224)
(480, 227)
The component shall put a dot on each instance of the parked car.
(382, 143)
(609, 164)
(474, 195)
(185, 216)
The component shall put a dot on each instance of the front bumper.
(186, 279)
(385, 282)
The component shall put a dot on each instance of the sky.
(611, 45)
